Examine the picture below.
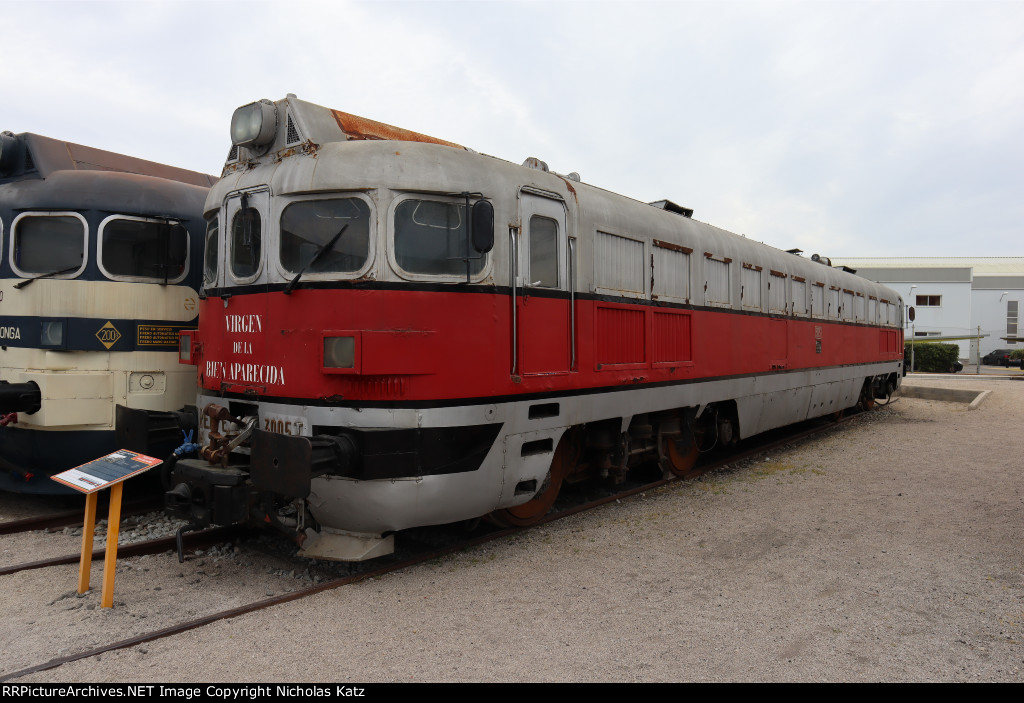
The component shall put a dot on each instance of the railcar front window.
(48, 244)
(246, 242)
(430, 238)
(212, 249)
(309, 226)
(137, 248)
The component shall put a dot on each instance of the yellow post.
(110, 559)
(88, 529)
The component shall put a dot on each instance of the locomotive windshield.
(43, 244)
(430, 238)
(133, 247)
(308, 226)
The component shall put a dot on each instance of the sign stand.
(111, 470)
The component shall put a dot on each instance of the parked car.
(1000, 357)
(956, 367)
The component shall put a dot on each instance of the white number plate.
(293, 425)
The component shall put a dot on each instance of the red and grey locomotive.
(398, 331)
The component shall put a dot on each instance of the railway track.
(69, 518)
(416, 549)
(191, 541)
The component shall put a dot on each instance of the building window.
(927, 334)
(929, 301)
(1011, 319)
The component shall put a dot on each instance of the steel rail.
(73, 517)
(135, 549)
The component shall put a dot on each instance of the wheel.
(532, 511)
(867, 397)
(680, 455)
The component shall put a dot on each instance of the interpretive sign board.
(110, 471)
(107, 470)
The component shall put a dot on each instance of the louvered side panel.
(817, 301)
(671, 273)
(619, 336)
(619, 263)
(716, 274)
(671, 337)
(777, 294)
(750, 293)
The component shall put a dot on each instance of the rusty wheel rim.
(537, 507)
(681, 456)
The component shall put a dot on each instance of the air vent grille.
(293, 134)
(233, 154)
(29, 163)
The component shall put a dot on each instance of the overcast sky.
(841, 128)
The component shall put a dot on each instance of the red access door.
(543, 297)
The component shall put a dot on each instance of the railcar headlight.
(339, 352)
(51, 334)
(254, 124)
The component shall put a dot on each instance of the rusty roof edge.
(355, 127)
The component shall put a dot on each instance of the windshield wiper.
(316, 257)
(69, 269)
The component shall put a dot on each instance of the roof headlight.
(254, 124)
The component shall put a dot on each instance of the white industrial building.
(954, 296)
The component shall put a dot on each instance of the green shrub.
(931, 356)
(1017, 354)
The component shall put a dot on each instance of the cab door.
(243, 326)
(543, 301)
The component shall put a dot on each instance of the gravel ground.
(887, 550)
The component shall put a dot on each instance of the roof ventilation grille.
(672, 207)
(293, 133)
(233, 154)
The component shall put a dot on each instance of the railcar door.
(544, 292)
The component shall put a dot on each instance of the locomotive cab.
(98, 273)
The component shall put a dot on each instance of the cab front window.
(309, 227)
(48, 243)
(136, 248)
